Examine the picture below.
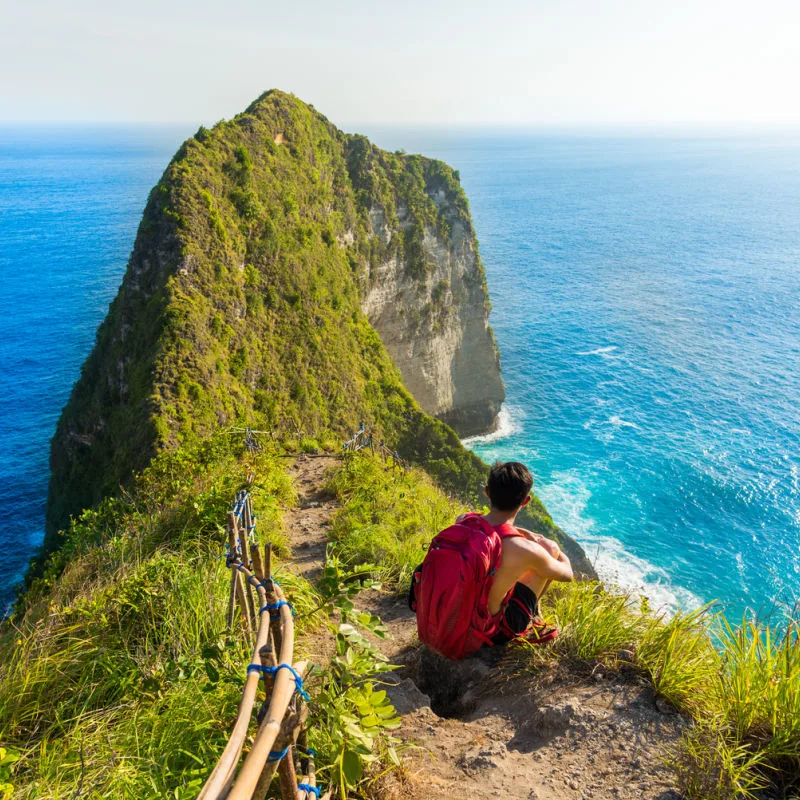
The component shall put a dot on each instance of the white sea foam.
(566, 499)
(508, 423)
(603, 352)
(618, 422)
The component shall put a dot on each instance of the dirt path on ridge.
(490, 727)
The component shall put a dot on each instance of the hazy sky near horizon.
(460, 62)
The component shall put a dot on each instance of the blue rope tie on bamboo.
(310, 752)
(304, 787)
(298, 681)
(274, 608)
(277, 755)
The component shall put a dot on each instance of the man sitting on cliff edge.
(482, 579)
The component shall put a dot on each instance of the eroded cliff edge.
(425, 292)
(262, 251)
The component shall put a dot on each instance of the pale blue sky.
(519, 62)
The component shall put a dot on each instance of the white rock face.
(436, 326)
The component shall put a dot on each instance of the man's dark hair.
(508, 485)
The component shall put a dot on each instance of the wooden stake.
(243, 604)
(288, 777)
(290, 727)
(231, 603)
(246, 558)
(231, 557)
(268, 570)
(258, 564)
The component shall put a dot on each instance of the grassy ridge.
(740, 685)
(116, 674)
(241, 303)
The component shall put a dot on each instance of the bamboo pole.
(269, 728)
(246, 557)
(258, 564)
(231, 557)
(273, 594)
(268, 569)
(267, 735)
(232, 603)
(292, 724)
(222, 775)
(243, 605)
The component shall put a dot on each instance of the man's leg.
(536, 583)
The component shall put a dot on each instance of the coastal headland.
(290, 285)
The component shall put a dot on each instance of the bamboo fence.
(364, 438)
(264, 611)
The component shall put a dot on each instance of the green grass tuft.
(388, 516)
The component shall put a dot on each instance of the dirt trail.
(307, 525)
(489, 727)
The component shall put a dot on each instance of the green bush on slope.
(387, 518)
(116, 672)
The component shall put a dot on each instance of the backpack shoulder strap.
(507, 531)
(476, 521)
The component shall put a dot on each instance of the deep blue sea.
(646, 294)
(70, 203)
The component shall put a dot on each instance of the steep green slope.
(241, 303)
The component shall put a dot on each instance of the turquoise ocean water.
(646, 294)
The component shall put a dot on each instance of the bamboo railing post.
(267, 657)
(276, 623)
(268, 570)
(234, 579)
(234, 541)
(246, 558)
(243, 604)
(286, 773)
(258, 564)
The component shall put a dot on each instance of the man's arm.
(549, 544)
(542, 563)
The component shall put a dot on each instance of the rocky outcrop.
(282, 272)
(435, 325)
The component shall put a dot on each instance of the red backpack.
(450, 589)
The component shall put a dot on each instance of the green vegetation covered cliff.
(262, 251)
(266, 287)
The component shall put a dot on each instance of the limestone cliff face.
(436, 329)
(426, 296)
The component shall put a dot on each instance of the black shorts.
(521, 608)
